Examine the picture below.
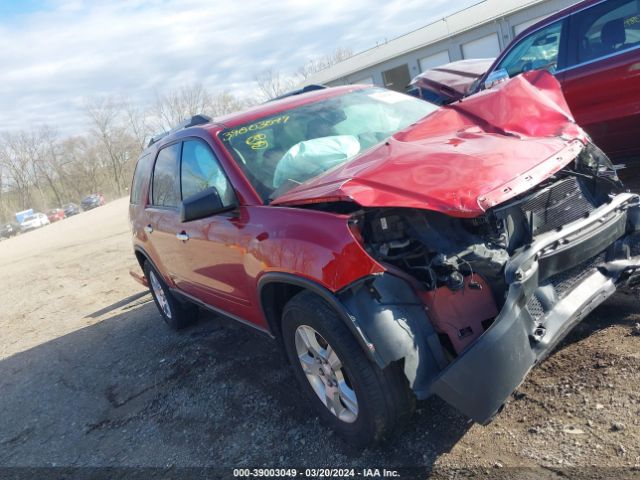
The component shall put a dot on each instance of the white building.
(480, 31)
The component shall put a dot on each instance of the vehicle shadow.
(128, 391)
(129, 302)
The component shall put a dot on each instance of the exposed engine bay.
(457, 265)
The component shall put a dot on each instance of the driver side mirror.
(203, 204)
(496, 77)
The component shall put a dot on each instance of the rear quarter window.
(140, 179)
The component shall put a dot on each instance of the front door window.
(539, 50)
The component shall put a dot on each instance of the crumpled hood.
(462, 159)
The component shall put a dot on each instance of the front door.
(211, 256)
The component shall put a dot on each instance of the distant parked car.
(593, 49)
(55, 215)
(92, 201)
(450, 82)
(34, 221)
(8, 230)
(71, 209)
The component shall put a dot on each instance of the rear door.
(162, 214)
(602, 78)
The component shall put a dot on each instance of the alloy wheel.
(159, 294)
(326, 374)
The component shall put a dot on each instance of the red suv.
(593, 48)
(396, 250)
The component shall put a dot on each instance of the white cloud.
(51, 59)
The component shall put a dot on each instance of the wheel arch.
(382, 312)
(275, 289)
(141, 256)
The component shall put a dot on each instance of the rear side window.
(201, 170)
(607, 28)
(139, 179)
(166, 178)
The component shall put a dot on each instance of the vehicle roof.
(276, 106)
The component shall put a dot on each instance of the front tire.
(176, 314)
(361, 402)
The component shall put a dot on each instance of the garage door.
(485, 47)
(433, 61)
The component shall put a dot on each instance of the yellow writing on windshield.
(227, 136)
(257, 141)
(632, 21)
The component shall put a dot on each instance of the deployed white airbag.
(312, 157)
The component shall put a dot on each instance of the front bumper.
(542, 306)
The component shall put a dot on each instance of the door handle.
(182, 236)
(148, 229)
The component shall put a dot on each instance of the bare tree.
(79, 169)
(177, 105)
(273, 83)
(225, 102)
(119, 146)
(138, 121)
(315, 65)
(16, 160)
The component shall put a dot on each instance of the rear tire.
(176, 314)
(381, 399)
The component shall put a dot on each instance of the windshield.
(281, 151)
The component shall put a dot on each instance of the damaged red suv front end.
(457, 250)
(507, 222)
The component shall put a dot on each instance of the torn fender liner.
(463, 158)
(393, 319)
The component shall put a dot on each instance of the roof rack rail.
(305, 89)
(190, 122)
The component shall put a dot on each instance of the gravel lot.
(90, 376)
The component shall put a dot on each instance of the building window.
(397, 78)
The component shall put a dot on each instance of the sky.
(55, 55)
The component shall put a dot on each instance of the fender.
(386, 318)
